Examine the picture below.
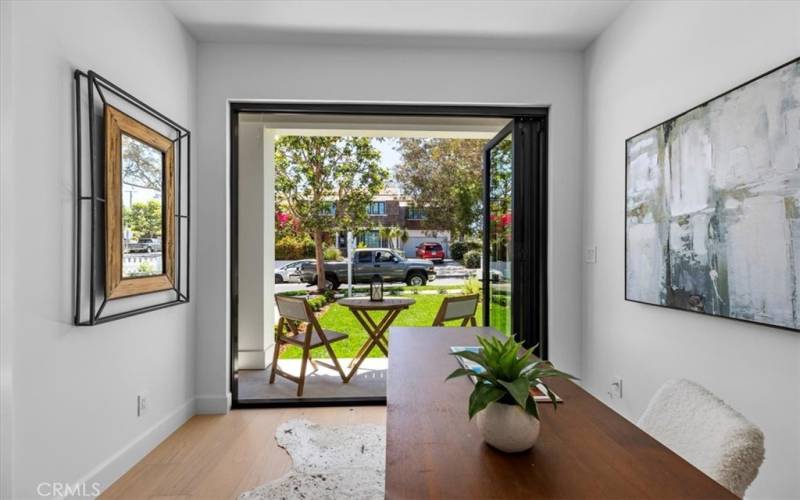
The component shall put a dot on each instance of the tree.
(445, 178)
(385, 233)
(144, 219)
(141, 164)
(326, 184)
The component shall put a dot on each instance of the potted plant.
(504, 374)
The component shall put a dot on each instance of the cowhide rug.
(330, 463)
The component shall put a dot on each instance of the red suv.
(430, 251)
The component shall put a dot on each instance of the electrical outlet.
(141, 405)
(590, 255)
(616, 388)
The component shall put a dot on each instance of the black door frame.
(528, 120)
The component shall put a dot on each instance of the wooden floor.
(219, 457)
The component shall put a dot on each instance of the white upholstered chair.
(706, 432)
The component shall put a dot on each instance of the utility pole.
(350, 253)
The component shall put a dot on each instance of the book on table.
(538, 392)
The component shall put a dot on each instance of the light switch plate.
(590, 255)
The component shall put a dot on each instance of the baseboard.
(121, 462)
(213, 405)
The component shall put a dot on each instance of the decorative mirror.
(139, 207)
(132, 205)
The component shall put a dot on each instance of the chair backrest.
(706, 432)
(294, 308)
(462, 307)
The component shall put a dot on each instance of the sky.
(389, 157)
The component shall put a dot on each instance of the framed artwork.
(712, 205)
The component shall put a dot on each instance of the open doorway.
(417, 245)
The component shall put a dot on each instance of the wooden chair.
(293, 311)
(462, 307)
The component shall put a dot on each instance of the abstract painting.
(713, 205)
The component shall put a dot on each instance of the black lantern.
(376, 288)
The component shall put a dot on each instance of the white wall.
(655, 61)
(370, 73)
(74, 399)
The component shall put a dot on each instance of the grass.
(340, 319)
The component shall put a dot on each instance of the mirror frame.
(117, 123)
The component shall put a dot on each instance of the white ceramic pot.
(508, 427)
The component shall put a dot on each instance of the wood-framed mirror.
(140, 207)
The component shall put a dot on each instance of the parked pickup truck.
(368, 262)
(145, 245)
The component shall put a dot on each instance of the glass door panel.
(498, 269)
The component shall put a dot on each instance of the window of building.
(415, 213)
(376, 208)
(329, 208)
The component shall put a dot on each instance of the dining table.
(376, 330)
(585, 449)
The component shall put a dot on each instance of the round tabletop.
(383, 305)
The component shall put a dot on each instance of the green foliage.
(386, 233)
(500, 300)
(317, 303)
(293, 247)
(331, 253)
(145, 267)
(472, 286)
(472, 259)
(442, 291)
(459, 248)
(403, 236)
(508, 376)
(445, 177)
(143, 219)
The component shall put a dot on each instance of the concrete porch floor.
(324, 382)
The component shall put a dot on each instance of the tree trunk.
(320, 261)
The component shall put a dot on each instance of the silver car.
(290, 273)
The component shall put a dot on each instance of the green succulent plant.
(507, 376)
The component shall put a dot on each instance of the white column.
(256, 246)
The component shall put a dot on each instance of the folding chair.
(462, 307)
(293, 311)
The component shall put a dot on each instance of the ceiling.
(567, 24)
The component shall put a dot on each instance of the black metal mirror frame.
(87, 311)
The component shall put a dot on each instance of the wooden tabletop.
(382, 305)
(585, 450)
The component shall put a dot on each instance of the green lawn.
(340, 319)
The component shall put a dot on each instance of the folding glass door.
(515, 232)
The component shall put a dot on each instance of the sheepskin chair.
(701, 428)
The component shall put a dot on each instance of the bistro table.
(360, 307)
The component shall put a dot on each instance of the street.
(290, 287)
